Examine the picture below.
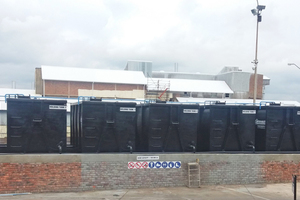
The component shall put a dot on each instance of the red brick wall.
(74, 86)
(124, 87)
(39, 177)
(104, 86)
(65, 88)
(278, 172)
(56, 88)
(70, 88)
(259, 86)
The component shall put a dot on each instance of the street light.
(256, 12)
(294, 64)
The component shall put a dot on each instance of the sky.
(200, 35)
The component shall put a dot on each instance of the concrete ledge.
(190, 157)
(111, 157)
(40, 158)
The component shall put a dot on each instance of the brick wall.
(104, 86)
(116, 175)
(259, 86)
(278, 172)
(56, 88)
(38, 82)
(125, 87)
(79, 172)
(70, 88)
(231, 172)
(39, 177)
(74, 86)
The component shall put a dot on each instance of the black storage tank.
(169, 127)
(36, 126)
(232, 128)
(107, 126)
(203, 136)
(282, 128)
(75, 128)
(72, 125)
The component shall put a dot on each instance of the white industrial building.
(131, 83)
(230, 82)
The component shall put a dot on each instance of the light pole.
(256, 12)
(294, 64)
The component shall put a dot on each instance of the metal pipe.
(256, 62)
(194, 148)
(265, 102)
(130, 148)
(256, 12)
(59, 146)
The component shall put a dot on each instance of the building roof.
(93, 75)
(185, 85)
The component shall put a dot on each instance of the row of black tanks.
(39, 126)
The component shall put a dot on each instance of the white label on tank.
(298, 112)
(251, 112)
(127, 109)
(57, 107)
(190, 110)
(147, 157)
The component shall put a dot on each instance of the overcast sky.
(200, 35)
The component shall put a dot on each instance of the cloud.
(201, 36)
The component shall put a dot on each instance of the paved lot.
(245, 192)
